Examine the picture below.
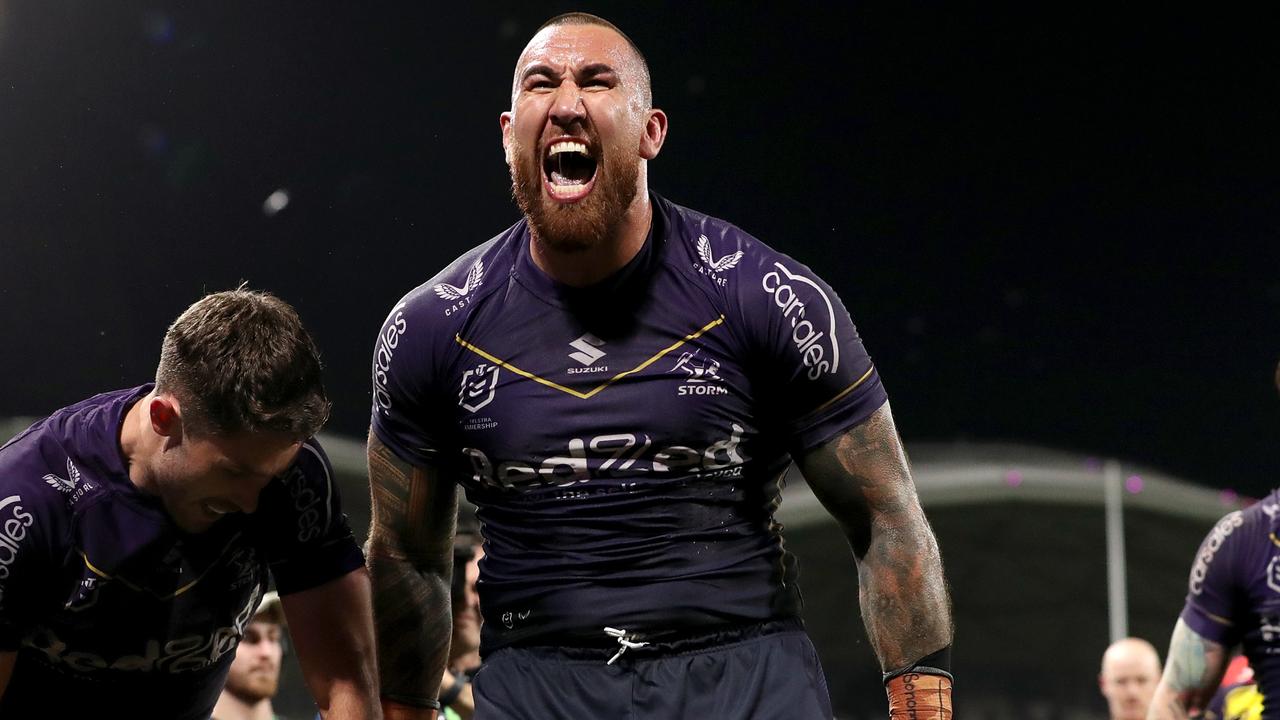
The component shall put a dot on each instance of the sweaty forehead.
(566, 47)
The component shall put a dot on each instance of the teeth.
(562, 189)
(568, 146)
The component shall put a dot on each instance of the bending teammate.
(619, 384)
(1233, 597)
(137, 528)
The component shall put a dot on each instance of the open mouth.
(569, 170)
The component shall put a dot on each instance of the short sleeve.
(816, 375)
(1214, 587)
(26, 557)
(402, 368)
(305, 536)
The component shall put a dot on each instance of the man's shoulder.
(471, 276)
(697, 230)
(714, 246)
(40, 483)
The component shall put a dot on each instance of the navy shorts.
(768, 676)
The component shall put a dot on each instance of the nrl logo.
(453, 292)
(710, 262)
(478, 387)
(65, 485)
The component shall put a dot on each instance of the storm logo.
(813, 335)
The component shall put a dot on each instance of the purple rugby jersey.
(1234, 591)
(624, 443)
(111, 607)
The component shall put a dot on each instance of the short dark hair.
(582, 18)
(240, 360)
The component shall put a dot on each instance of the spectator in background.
(1130, 671)
(254, 677)
(464, 645)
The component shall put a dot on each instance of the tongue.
(559, 179)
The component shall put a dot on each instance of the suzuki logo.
(587, 347)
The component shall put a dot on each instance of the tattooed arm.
(861, 477)
(410, 556)
(1191, 674)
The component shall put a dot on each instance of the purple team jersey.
(1234, 592)
(624, 443)
(110, 606)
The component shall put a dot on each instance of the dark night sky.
(1055, 227)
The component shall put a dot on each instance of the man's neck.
(138, 441)
(590, 266)
(231, 707)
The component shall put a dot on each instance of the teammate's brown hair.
(240, 360)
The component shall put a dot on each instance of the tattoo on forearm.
(410, 561)
(864, 480)
(1194, 667)
(1192, 660)
(1188, 659)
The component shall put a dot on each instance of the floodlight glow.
(275, 202)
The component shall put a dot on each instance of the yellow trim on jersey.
(845, 391)
(139, 588)
(95, 570)
(1217, 618)
(591, 393)
(1274, 539)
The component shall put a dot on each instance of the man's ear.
(166, 416)
(504, 121)
(655, 134)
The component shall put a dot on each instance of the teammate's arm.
(332, 627)
(861, 478)
(1191, 674)
(410, 556)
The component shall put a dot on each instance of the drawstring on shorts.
(626, 640)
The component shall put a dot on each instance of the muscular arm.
(332, 628)
(410, 556)
(861, 477)
(1191, 674)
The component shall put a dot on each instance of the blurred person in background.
(464, 647)
(254, 676)
(139, 530)
(1130, 671)
(1233, 598)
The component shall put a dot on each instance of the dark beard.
(581, 225)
